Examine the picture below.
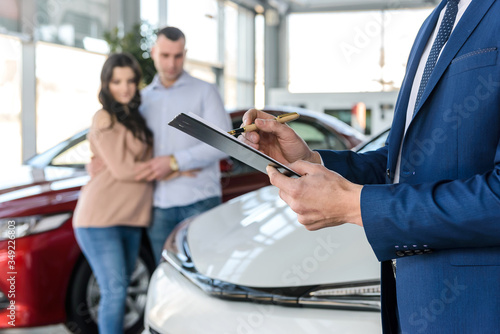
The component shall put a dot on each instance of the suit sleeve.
(110, 145)
(203, 155)
(440, 215)
(360, 168)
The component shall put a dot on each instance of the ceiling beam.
(250, 4)
(298, 6)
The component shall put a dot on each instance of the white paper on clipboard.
(200, 128)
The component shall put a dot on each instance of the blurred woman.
(113, 207)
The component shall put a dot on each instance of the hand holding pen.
(284, 118)
(276, 140)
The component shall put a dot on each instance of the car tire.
(83, 297)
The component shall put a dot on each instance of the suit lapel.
(470, 19)
(398, 124)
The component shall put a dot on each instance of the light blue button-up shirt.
(159, 106)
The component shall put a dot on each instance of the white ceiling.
(288, 6)
(334, 5)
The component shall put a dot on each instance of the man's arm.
(439, 215)
(365, 168)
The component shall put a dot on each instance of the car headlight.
(18, 227)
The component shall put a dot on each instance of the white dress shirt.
(159, 106)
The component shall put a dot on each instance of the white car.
(248, 266)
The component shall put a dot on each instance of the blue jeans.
(165, 220)
(111, 253)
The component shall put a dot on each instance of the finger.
(287, 199)
(152, 177)
(141, 167)
(314, 225)
(160, 168)
(252, 114)
(193, 172)
(249, 116)
(250, 138)
(280, 130)
(309, 224)
(144, 175)
(284, 183)
(253, 137)
(158, 173)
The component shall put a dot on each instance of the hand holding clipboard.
(199, 128)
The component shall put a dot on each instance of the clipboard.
(199, 128)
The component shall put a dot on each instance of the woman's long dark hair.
(128, 115)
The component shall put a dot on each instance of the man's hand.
(95, 166)
(276, 140)
(155, 169)
(320, 197)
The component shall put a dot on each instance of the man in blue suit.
(431, 197)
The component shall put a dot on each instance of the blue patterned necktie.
(443, 33)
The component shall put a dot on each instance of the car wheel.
(84, 296)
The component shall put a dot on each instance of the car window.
(375, 143)
(77, 155)
(317, 137)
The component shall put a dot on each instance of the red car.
(45, 280)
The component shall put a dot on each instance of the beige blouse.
(112, 197)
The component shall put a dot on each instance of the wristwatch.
(174, 166)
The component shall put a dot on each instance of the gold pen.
(284, 118)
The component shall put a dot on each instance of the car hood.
(255, 240)
(26, 188)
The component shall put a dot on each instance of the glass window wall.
(239, 62)
(260, 91)
(66, 92)
(230, 55)
(10, 102)
(351, 51)
(71, 23)
(198, 20)
(149, 12)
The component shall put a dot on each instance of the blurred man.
(174, 91)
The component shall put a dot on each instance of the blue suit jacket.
(442, 222)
